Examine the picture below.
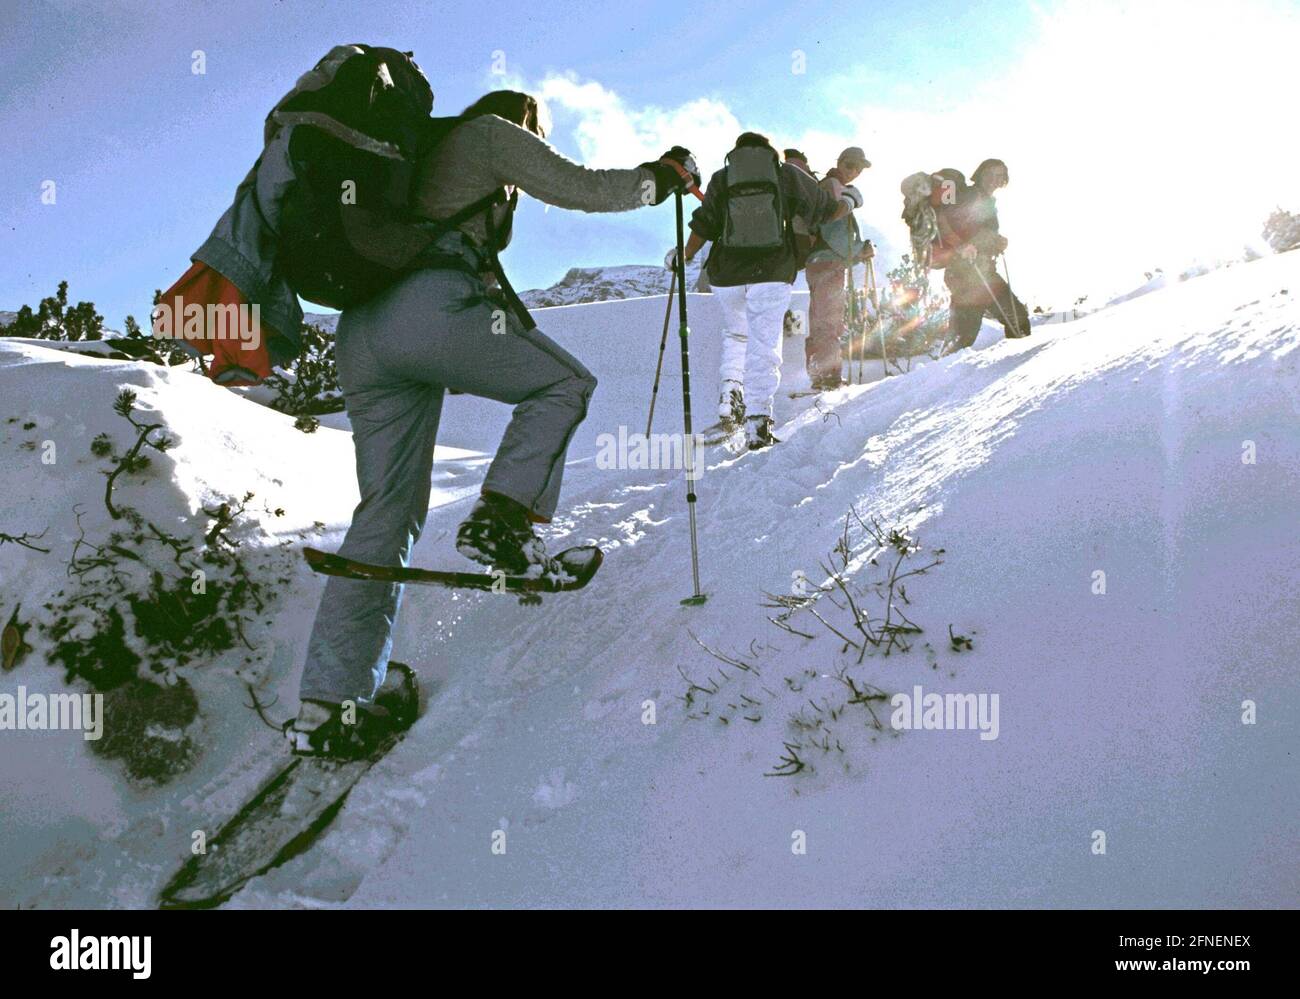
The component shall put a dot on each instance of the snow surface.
(1113, 443)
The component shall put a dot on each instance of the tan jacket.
(488, 152)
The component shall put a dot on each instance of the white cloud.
(609, 133)
(1137, 135)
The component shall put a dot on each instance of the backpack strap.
(441, 227)
(483, 206)
(520, 310)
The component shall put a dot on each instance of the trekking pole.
(853, 322)
(993, 298)
(663, 342)
(875, 306)
(1010, 292)
(688, 448)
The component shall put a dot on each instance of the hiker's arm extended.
(694, 244)
(706, 220)
(817, 203)
(519, 157)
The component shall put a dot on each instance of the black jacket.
(973, 220)
(727, 268)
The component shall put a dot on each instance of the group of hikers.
(424, 297)
(954, 227)
(819, 235)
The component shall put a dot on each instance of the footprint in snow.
(555, 792)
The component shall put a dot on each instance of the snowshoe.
(321, 729)
(296, 803)
(720, 433)
(499, 533)
(758, 433)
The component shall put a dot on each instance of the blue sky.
(100, 98)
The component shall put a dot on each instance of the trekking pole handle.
(685, 175)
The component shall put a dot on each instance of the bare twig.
(260, 708)
(25, 540)
(720, 657)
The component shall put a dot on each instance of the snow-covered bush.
(144, 604)
(914, 313)
(1282, 231)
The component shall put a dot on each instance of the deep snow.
(1113, 443)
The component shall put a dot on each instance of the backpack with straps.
(753, 214)
(361, 123)
(929, 198)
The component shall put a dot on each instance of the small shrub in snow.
(914, 314)
(864, 608)
(55, 320)
(143, 346)
(133, 460)
(311, 384)
(144, 604)
(1282, 231)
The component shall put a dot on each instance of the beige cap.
(854, 156)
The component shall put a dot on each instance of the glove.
(667, 176)
(868, 251)
(670, 260)
(1000, 244)
(852, 195)
(682, 156)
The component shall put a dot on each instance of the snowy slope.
(1113, 443)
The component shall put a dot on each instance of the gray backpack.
(754, 216)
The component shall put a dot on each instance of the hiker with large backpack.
(397, 218)
(748, 210)
(838, 247)
(969, 243)
(804, 241)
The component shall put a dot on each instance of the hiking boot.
(827, 383)
(321, 730)
(731, 405)
(499, 532)
(758, 433)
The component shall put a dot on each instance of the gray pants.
(397, 355)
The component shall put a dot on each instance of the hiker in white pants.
(748, 212)
(753, 319)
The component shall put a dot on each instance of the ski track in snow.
(1110, 443)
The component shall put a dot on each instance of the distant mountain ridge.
(582, 285)
(601, 284)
